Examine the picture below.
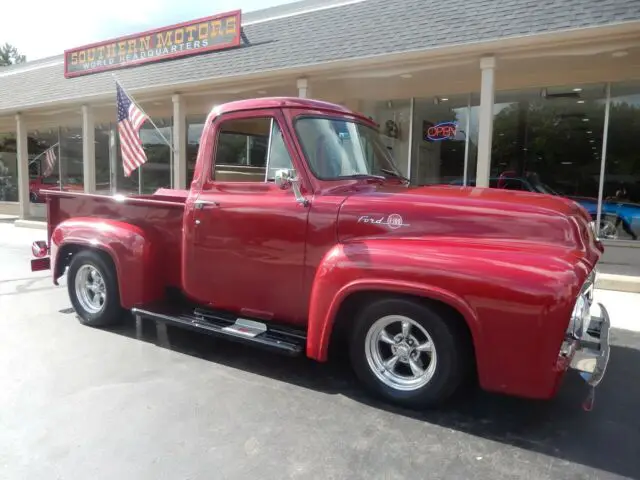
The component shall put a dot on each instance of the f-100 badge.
(393, 221)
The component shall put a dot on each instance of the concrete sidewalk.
(614, 277)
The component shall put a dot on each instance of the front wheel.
(93, 289)
(408, 353)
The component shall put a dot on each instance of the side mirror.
(286, 178)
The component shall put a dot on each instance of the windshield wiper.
(366, 175)
(395, 174)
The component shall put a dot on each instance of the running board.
(221, 324)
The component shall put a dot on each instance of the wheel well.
(67, 252)
(353, 303)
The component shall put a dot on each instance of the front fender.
(129, 247)
(516, 298)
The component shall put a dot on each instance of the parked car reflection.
(620, 218)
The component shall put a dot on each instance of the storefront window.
(44, 162)
(8, 168)
(156, 172)
(103, 165)
(549, 141)
(620, 217)
(394, 119)
(195, 125)
(71, 159)
(445, 137)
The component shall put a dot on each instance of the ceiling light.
(445, 99)
(589, 132)
(567, 163)
(406, 75)
(591, 141)
(580, 101)
(585, 119)
(620, 54)
(577, 89)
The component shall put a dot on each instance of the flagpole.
(39, 155)
(148, 116)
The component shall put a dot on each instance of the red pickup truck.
(299, 232)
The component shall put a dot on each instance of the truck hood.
(468, 214)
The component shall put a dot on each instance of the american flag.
(49, 161)
(130, 119)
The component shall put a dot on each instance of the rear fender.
(128, 246)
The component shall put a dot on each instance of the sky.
(42, 28)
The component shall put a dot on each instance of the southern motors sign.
(198, 36)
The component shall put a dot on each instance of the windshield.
(338, 148)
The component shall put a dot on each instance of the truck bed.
(160, 215)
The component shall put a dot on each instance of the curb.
(619, 283)
(31, 224)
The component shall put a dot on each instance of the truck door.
(246, 246)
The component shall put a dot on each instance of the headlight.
(579, 317)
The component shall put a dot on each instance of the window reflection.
(71, 159)
(550, 141)
(103, 165)
(8, 168)
(394, 119)
(446, 131)
(621, 194)
(156, 172)
(195, 125)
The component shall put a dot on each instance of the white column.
(485, 128)
(179, 142)
(89, 149)
(23, 165)
(303, 88)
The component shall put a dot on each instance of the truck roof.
(285, 102)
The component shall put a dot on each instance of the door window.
(248, 148)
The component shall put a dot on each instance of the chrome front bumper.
(591, 349)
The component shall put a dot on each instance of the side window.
(278, 154)
(241, 152)
(244, 152)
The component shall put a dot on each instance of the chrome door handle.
(200, 204)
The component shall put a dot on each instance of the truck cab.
(298, 230)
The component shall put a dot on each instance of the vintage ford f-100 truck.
(308, 234)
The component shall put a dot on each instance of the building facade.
(541, 96)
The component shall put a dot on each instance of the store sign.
(440, 131)
(198, 36)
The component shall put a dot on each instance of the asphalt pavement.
(80, 403)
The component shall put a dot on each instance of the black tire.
(452, 350)
(111, 311)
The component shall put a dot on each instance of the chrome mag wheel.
(401, 353)
(91, 290)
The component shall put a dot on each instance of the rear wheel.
(93, 289)
(408, 353)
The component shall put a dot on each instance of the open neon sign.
(441, 131)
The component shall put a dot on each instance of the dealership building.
(536, 95)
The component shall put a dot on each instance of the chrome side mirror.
(283, 178)
(286, 178)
